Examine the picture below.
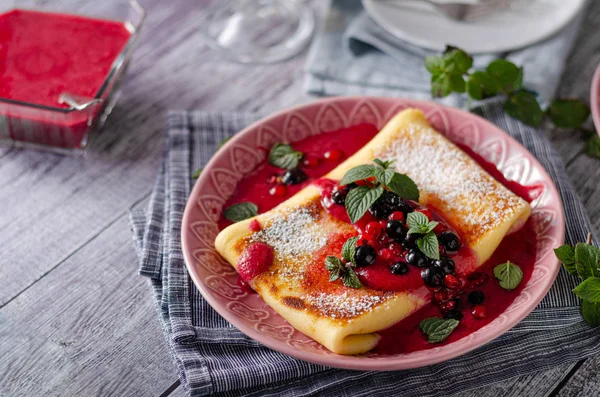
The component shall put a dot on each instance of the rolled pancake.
(343, 319)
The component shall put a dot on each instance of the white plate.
(504, 30)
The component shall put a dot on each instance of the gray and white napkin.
(352, 55)
(213, 357)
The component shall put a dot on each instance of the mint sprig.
(592, 146)
(284, 156)
(340, 270)
(349, 249)
(450, 73)
(428, 244)
(583, 260)
(438, 329)
(419, 223)
(239, 212)
(509, 275)
(362, 197)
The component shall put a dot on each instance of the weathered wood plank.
(88, 328)
(585, 382)
(533, 385)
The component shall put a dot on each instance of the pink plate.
(595, 99)
(217, 280)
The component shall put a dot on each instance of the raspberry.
(479, 312)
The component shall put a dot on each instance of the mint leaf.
(416, 220)
(592, 146)
(404, 187)
(360, 199)
(241, 211)
(384, 164)
(568, 113)
(587, 258)
(284, 156)
(524, 107)
(509, 275)
(566, 255)
(350, 279)
(589, 290)
(438, 329)
(335, 267)
(456, 61)
(384, 176)
(197, 173)
(428, 244)
(505, 76)
(441, 85)
(434, 64)
(591, 313)
(358, 173)
(479, 86)
(349, 248)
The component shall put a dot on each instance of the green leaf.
(592, 146)
(404, 187)
(524, 106)
(350, 279)
(441, 86)
(284, 156)
(429, 245)
(349, 248)
(504, 75)
(568, 113)
(384, 164)
(239, 212)
(358, 173)
(566, 255)
(591, 313)
(589, 290)
(509, 275)
(360, 199)
(434, 64)
(586, 259)
(438, 329)
(457, 83)
(456, 61)
(417, 220)
(479, 86)
(197, 173)
(384, 176)
(335, 267)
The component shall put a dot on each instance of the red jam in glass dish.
(45, 55)
(456, 288)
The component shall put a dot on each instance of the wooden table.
(75, 317)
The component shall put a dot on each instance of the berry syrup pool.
(45, 55)
(405, 336)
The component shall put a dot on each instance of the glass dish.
(68, 130)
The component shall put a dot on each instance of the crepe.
(343, 319)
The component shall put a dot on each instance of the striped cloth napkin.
(352, 55)
(213, 357)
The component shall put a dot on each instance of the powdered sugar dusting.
(450, 180)
(346, 305)
(292, 232)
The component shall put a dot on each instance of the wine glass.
(258, 31)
